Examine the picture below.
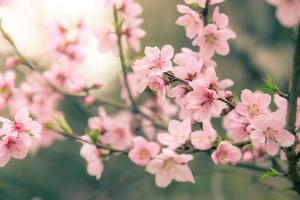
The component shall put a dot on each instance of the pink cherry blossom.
(169, 166)
(204, 139)
(67, 40)
(23, 125)
(236, 126)
(191, 70)
(11, 62)
(108, 40)
(269, 131)
(156, 61)
(134, 33)
(179, 133)
(158, 86)
(186, 54)
(253, 104)
(117, 135)
(7, 85)
(35, 94)
(190, 20)
(287, 11)
(93, 157)
(143, 151)
(203, 103)
(226, 153)
(63, 75)
(137, 84)
(11, 145)
(213, 41)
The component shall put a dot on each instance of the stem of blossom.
(292, 158)
(122, 58)
(22, 59)
(98, 145)
(169, 77)
(205, 12)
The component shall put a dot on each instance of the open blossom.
(212, 40)
(204, 139)
(117, 135)
(143, 151)
(179, 133)
(184, 56)
(226, 153)
(190, 20)
(287, 11)
(16, 136)
(11, 145)
(67, 40)
(7, 84)
(93, 157)
(253, 104)
(63, 75)
(134, 33)
(155, 62)
(191, 70)
(108, 40)
(158, 86)
(169, 166)
(269, 131)
(203, 103)
(236, 126)
(22, 125)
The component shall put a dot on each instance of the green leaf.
(94, 135)
(195, 6)
(269, 86)
(271, 172)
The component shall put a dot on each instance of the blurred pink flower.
(179, 133)
(287, 11)
(226, 153)
(169, 166)
(204, 139)
(143, 151)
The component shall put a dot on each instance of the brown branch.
(292, 158)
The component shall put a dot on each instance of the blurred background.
(262, 47)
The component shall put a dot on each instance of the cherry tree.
(170, 99)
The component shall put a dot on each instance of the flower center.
(252, 110)
(18, 126)
(223, 155)
(144, 154)
(10, 143)
(210, 39)
(169, 164)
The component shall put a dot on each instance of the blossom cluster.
(129, 28)
(183, 97)
(17, 137)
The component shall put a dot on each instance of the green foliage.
(269, 86)
(94, 135)
(271, 172)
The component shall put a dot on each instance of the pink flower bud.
(89, 100)
(11, 62)
(96, 86)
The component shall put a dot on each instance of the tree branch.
(292, 157)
